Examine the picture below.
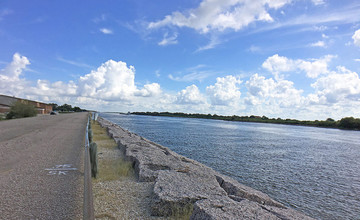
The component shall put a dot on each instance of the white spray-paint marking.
(61, 169)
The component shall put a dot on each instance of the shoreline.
(293, 122)
(182, 185)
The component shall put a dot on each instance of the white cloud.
(214, 41)
(46, 89)
(196, 73)
(278, 63)
(195, 76)
(336, 95)
(10, 81)
(13, 71)
(74, 63)
(340, 86)
(267, 92)
(112, 87)
(149, 90)
(12, 84)
(106, 31)
(348, 14)
(318, 2)
(222, 14)
(313, 68)
(324, 36)
(320, 28)
(254, 49)
(190, 95)
(112, 82)
(168, 40)
(357, 60)
(225, 91)
(318, 44)
(356, 38)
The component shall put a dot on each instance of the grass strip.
(110, 167)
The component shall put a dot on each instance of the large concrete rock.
(178, 189)
(225, 208)
(184, 186)
(238, 191)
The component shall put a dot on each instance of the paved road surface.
(41, 167)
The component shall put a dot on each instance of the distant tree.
(21, 110)
(233, 118)
(54, 105)
(66, 108)
(330, 119)
(77, 109)
(350, 123)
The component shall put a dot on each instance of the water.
(314, 170)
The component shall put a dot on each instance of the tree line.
(345, 123)
(66, 108)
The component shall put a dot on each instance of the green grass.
(116, 169)
(109, 169)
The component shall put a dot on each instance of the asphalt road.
(41, 167)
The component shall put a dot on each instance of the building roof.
(9, 100)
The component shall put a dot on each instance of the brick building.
(7, 101)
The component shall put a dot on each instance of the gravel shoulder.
(117, 193)
(41, 167)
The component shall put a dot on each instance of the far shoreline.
(347, 123)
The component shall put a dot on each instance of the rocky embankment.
(182, 185)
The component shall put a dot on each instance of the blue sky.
(280, 58)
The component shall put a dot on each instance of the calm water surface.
(314, 170)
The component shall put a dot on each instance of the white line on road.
(60, 169)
